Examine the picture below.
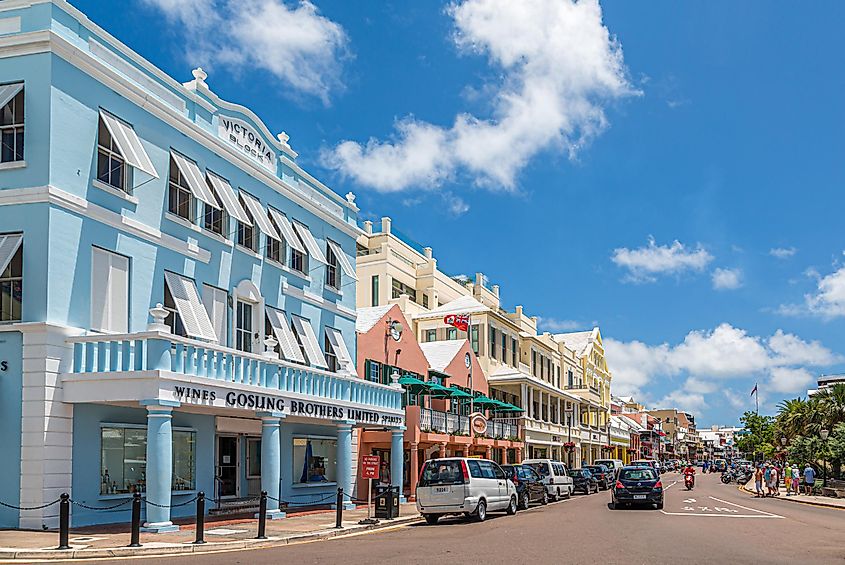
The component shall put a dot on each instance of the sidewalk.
(826, 501)
(220, 535)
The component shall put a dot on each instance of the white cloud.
(645, 263)
(634, 364)
(294, 43)
(723, 352)
(557, 66)
(727, 279)
(782, 252)
(736, 400)
(789, 349)
(828, 300)
(556, 325)
(787, 380)
(455, 205)
(687, 401)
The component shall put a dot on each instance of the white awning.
(9, 245)
(128, 143)
(309, 341)
(9, 91)
(284, 335)
(339, 346)
(194, 316)
(286, 229)
(347, 267)
(259, 215)
(310, 243)
(195, 179)
(227, 196)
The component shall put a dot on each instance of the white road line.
(721, 515)
(670, 486)
(746, 508)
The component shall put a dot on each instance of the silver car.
(461, 485)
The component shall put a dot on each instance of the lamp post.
(823, 434)
(783, 442)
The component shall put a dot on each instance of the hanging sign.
(478, 422)
(241, 135)
(370, 465)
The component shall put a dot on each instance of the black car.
(584, 481)
(637, 485)
(602, 475)
(529, 485)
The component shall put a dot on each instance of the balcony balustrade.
(454, 424)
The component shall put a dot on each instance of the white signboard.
(248, 141)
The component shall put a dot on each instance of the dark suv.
(602, 475)
(584, 481)
(637, 485)
(529, 485)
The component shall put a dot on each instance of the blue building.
(177, 295)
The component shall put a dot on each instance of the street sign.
(370, 466)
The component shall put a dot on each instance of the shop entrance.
(228, 460)
(238, 471)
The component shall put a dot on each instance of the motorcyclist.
(689, 471)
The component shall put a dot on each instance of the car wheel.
(512, 506)
(545, 499)
(557, 496)
(523, 502)
(569, 492)
(659, 505)
(612, 505)
(587, 489)
(431, 519)
(481, 511)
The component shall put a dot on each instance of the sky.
(670, 171)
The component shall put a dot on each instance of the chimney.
(427, 252)
(479, 279)
(519, 312)
(368, 227)
(385, 224)
(496, 290)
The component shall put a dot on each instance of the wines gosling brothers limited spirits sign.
(238, 133)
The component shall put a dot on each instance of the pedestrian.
(767, 478)
(796, 479)
(787, 477)
(775, 481)
(809, 479)
(758, 481)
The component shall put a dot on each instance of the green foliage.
(758, 436)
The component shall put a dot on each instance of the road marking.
(670, 486)
(689, 501)
(720, 515)
(721, 511)
(746, 508)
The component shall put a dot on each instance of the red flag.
(460, 321)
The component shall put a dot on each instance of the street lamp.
(823, 434)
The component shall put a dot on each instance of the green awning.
(458, 393)
(438, 390)
(484, 401)
(512, 408)
(413, 384)
(499, 405)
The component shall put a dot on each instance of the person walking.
(809, 479)
(787, 476)
(767, 478)
(796, 479)
(758, 481)
(775, 481)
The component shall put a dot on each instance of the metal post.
(64, 521)
(200, 518)
(338, 522)
(135, 540)
(262, 516)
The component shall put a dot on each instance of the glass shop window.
(314, 460)
(123, 460)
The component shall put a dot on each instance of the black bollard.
(262, 516)
(64, 521)
(200, 518)
(338, 521)
(136, 521)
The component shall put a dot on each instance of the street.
(712, 523)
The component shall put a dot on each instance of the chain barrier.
(105, 509)
(13, 507)
(187, 502)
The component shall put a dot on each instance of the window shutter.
(216, 301)
(109, 291)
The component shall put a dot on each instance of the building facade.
(177, 293)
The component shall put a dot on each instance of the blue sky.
(672, 171)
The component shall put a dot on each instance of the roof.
(369, 317)
(462, 305)
(441, 353)
(577, 341)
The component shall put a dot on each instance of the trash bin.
(387, 502)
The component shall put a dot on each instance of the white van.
(555, 476)
(615, 465)
(461, 485)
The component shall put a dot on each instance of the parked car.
(555, 476)
(602, 474)
(615, 465)
(529, 485)
(585, 481)
(637, 485)
(458, 485)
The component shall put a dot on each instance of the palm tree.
(831, 412)
(793, 418)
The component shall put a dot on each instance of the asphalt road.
(714, 523)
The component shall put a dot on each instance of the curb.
(796, 500)
(188, 548)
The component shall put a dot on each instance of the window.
(173, 319)
(372, 371)
(431, 335)
(111, 167)
(570, 379)
(243, 327)
(492, 341)
(473, 332)
(451, 333)
(215, 220)
(253, 457)
(332, 268)
(399, 288)
(504, 348)
(109, 291)
(297, 260)
(374, 290)
(331, 358)
(123, 459)
(314, 460)
(11, 277)
(425, 300)
(533, 362)
(273, 249)
(514, 352)
(180, 198)
(246, 232)
(11, 123)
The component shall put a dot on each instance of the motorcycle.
(727, 477)
(689, 481)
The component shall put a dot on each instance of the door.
(243, 327)
(228, 456)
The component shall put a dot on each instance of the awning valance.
(193, 314)
(339, 346)
(347, 267)
(259, 215)
(9, 245)
(195, 179)
(284, 335)
(128, 144)
(314, 250)
(286, 230)
(227, 196)
(309, 341)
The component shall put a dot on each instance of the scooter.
(727, 477)
(689, 481)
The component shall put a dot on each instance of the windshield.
(441, 473)
(541, 468)
(637, 475)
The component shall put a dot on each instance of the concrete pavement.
(712, 523)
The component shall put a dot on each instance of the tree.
(758, 435)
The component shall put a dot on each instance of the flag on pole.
(460, 321)
(754, 390)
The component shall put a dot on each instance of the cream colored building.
(541, 373)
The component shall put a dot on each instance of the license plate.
(442, 490)
(639, 497)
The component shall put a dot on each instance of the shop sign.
(370, 465)
(478, 422)
(556, 439)
(248, 141)
(4, 366)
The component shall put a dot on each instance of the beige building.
(566, 414)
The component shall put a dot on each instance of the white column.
(531, 402)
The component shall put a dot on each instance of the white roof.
(462, 305)
(369, 317)
(577, 341)
(441, 353)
